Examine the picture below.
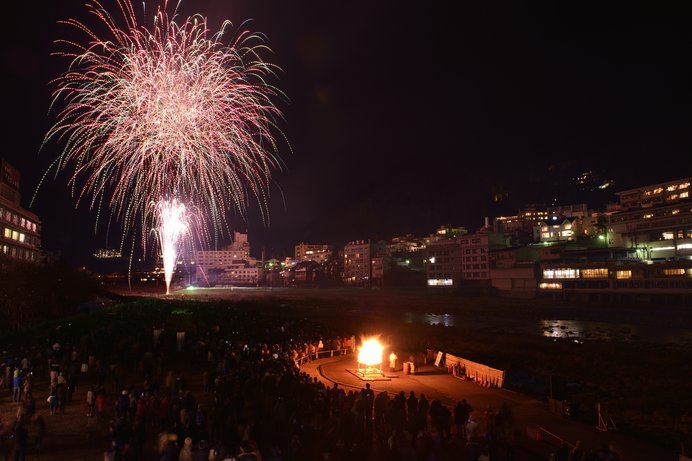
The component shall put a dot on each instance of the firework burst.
(165, 110)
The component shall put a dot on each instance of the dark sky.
(403, 116)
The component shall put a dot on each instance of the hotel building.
(313, 252)
(21, 230)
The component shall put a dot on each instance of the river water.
(577, 330)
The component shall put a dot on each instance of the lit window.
(668, 236)
(560, 273)
(15, 235)
(676, 271)
(684, 194)
(672, 197)
(684, 185)
(672, 187)
(675, 211)
(648, 216)
(440, 282)
(623, 274)
(550, 286)
(567, 233)
(8, 233)
(594, 273)
(658, 190)
(21, 237)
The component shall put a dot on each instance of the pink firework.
(166, 110)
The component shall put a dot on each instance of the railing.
(322, 355)
(542, 432)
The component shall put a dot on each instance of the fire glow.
(370, 352)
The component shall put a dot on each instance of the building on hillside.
(446, 232)
(21, 229)
(558, 229)
(655, 195)
(313, 252)
(579, 210)
(405, 244)
(655, 221)
(519, 228)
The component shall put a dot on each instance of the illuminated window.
(15, 235)
(684, 194)
(568, 226)
(623, 274)
(668, 236)
(672, 187)
(672, 197)
(567, 233)
(658, 190)
(8, 233)
(560, 273)
(594, 273)
(21, 237)
(675, 212)
(684, 185)
(648, 216)
(440, 282)
(677, 271)
(550, 286)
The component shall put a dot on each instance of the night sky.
(402, 117)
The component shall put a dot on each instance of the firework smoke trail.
(172, 225)
(165, 110)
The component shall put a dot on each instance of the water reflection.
(576, 330)
(446, 320)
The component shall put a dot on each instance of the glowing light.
(165, 109)
(172, 226)
(370, 352)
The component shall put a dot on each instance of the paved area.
(529, 413)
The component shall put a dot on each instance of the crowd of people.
(233, 391)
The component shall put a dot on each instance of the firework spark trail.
(167, 110)
(172, 225)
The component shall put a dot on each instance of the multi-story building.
(655, 221)
(358, 262)
(313, 252)
(475, 250)
(617, 280)
(513, 271)
(21, 229)
(444, 263)
(236, 273)
(520, 227)
(655, 195)
(558, 229)
(228, 265)
(405, 244)
(446, 232)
